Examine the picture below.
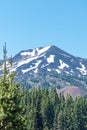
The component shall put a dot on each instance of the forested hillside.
(44, 110)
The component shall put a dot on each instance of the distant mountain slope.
(49, 67)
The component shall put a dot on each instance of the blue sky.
(28, 24)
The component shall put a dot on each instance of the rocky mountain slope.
(49, 67)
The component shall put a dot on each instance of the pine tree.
(55, 123)
(10, 99)
(68, 112)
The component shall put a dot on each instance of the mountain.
(49, 59)
(49, 67)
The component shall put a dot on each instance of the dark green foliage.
(45, 110)
(10, 108)
(10, 101)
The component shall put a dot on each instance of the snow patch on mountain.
(40, 51)
(26, 70)
(49, 69)
(83, 69)
(35, 52)
(58, 71)
(27, 60)
(36, 71)
(50, 59)
(32, 53)
(62, 65)
(66, 72)
(44, 65)
(31, 68)
(26, 53)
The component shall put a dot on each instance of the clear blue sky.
(28, 24)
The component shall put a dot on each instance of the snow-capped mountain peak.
(49, 58)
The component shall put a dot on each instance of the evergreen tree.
(55, 123)
(68, 112)
(10, 98)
